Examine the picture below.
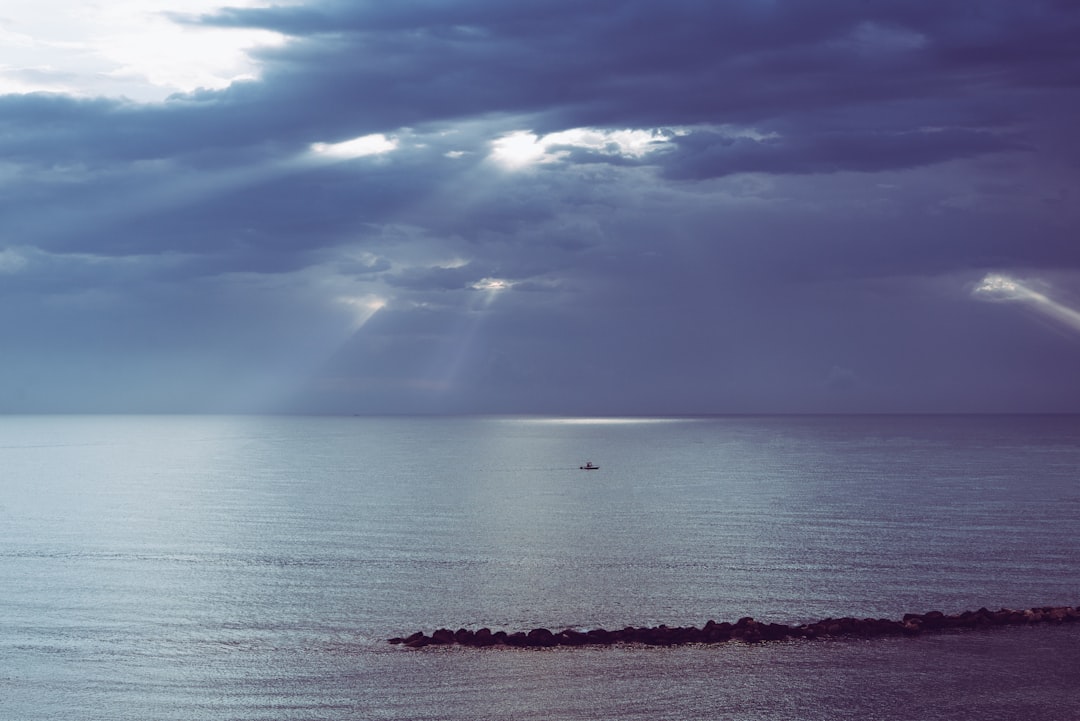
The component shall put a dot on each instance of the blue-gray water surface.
(204, 568)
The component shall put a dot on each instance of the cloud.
(650, 65)
(11, 261)
(715, 206)
(707, 153)
(374, 144)
(122, 48)
(996, 286)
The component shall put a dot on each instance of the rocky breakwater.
(746, 630)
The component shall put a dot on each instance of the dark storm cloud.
(45, 129)
(646, 63)
(834, 178)
(926, 83)
(365, 67)
(710, 154)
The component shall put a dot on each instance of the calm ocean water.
(204, 568)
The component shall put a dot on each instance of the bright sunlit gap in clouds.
(519, 149)
(127, 48)
(998, 287)
(491, 284)
(491, 287)
(375, 144)
(522, 148)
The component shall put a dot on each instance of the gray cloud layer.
(833, 180)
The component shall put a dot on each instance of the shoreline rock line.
(746, 630)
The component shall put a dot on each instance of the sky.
(593, 207)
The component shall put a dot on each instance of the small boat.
(589, 466)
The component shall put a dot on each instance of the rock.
(483, 637)
(688, 634)
(775, 632)
(599, 635)
(569, 637)
(418, 642)
(747, 630)
(540, 637)
(443, 636)
(1002, 617)
(517, 639)
(717, 632)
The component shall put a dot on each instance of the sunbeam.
(459, 349)
(998, 287)
(363, 308)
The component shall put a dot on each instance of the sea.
(202, 568)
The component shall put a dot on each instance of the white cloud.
(996, 286)
(376, 144)
(627, 143)
(121, 48)
(492, 285)
(523, 148)
(519, 149)
(11, 261)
